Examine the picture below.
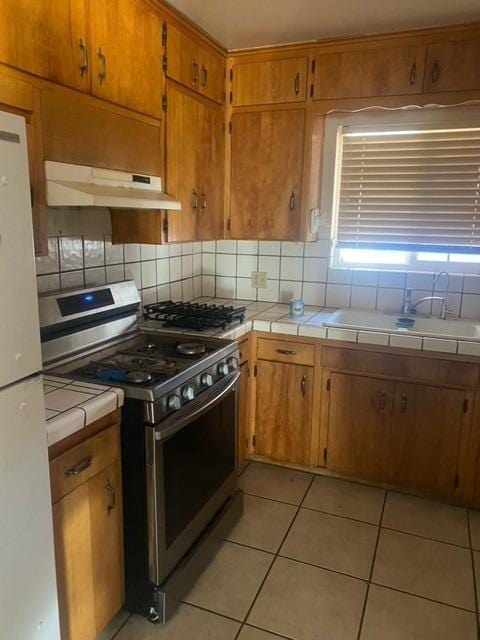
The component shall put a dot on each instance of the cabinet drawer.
(243, 348)
(284, 351)
(76, 466)
(459, 374)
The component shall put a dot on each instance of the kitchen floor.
(319, 558)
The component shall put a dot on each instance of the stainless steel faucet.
(409, 308)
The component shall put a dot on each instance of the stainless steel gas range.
(178, 425)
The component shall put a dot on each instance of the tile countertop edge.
(71, 405)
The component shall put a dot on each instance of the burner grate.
(193, 315)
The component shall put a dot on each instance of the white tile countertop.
(275, 318)
(71, 405)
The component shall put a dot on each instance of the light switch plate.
(259, 279)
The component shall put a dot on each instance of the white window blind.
(413, 190)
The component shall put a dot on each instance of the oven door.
(191, 458)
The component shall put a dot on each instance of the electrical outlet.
(259, 279)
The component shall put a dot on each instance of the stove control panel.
(193, 388)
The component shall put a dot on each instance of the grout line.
(275, 557)
(122, 626)
(472, 555)
(421, 597)
(371, 568)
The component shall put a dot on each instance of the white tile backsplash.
(246, 264)
(291, 268)
(149, 274)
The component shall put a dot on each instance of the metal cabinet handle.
(194, 199)
(286, 352)
(111, 497)
(291, 203)
(79, 467)
(102, 70)
(204, 76)
(403, 405)
(204, 200)
(84, 60)
(382, 401)
(303, 385)
(195, 73)
(435, 72)
(297, 84)
(413, 73)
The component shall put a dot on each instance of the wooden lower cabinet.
(283, 420)
(88, 535)
(405, 434)
(243, 415)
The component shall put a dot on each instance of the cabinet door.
(242, 430)
(183, 64)
(359, 425)
(369, 72)
(212, 74)
(426, 432)
(266, 174)
(181, 168)
(270, 81)
(47, 39)
(105, 498)
(453, 66)
(73, 557)
(126, 39)
(210, 172)
(283, 423)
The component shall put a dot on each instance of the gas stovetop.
(149, 366)
(191, 315)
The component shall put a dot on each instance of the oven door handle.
(178, 420)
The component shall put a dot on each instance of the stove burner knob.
(174, 403)
(188, 393)
(222, 369)
(206, 380)
(232, 364)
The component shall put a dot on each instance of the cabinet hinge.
(164, 34)
(456, 482)
(224, 96)
(255, 370)
(164, 102)
(164, 63)
(328, 384)
(231, 75)
(313, 65)
(228, 224)
(325, 455)
(465, 405)
(230, 127)
(165, 227)
(230, 97)
(254, 441)
(311, 91)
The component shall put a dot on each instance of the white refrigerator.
(28, 596)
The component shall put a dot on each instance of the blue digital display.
(88, 297)
(70, 305)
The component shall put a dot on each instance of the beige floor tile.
(262, 525)
(344, 498)
(426, 568)
(277, 483)
(187, 622)
(391, 615)
(476, 559)
(474, 517)
(230, 581)
(332, 542)
(305, 602)
(251, 633)
(428, 518)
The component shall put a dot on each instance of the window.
(403, 189)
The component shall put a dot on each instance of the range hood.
(72, 185)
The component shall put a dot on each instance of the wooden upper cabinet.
(193, 65)
(47, 39)
(283, 423)
(453, 66)
(126, 43)
(370, 72)
(269, 81)
(266, 174)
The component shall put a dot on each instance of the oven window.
(197, 460)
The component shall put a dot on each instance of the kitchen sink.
(411, 324)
